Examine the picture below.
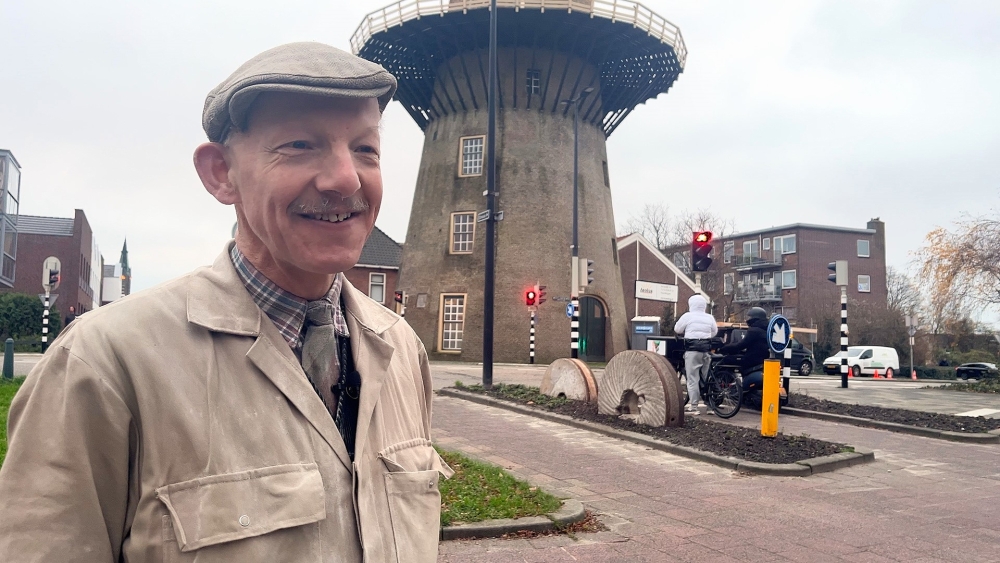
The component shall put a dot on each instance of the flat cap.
(303, 68)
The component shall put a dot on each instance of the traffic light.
(540, 293)
(839, 269)
(531, 297)
(701, 248)
(53, 278)
(586, 276)
(399, 297)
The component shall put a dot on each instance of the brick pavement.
(923, 500)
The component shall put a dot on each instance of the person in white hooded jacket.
(697, 327)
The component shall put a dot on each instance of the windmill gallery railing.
(633, 13)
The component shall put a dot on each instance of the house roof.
(52, 226)
(381, 251)
(636, 238)
(797, 226)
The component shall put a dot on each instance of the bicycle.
(721, 389)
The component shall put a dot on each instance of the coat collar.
(218, 301)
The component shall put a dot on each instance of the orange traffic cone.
(876, 376)
(913, 375)
(850, 373)
(888, 374)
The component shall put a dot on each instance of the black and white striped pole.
(45, 321)
(531, 340)
(839, 277)
(843, 336)
(786, 368)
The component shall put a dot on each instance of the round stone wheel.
(570, 378)
(642, 386)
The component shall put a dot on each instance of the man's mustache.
(329, 205)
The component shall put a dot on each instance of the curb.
(798, 469)
(571, 512)
(973, 437)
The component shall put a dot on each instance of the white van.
(865, 360)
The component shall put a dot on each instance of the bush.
(21, 318)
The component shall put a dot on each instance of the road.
(922, 500)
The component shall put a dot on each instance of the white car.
(864, 360)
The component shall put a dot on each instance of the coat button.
(245, 521)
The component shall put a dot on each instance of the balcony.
(757, 294)
(743, 263)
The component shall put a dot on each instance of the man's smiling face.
(309, 185)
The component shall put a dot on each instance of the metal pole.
(491, 186)
(843, 336)
(45, 322)
(531, 340)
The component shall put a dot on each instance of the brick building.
(10, 195)
(377, 271)
(72, 242)
(784, 269)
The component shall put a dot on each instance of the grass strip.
(8, 388)
(480, 491)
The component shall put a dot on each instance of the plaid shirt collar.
(286, 310)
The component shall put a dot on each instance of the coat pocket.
(264, 514)
(415, 512)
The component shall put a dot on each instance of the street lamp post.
(574, 261)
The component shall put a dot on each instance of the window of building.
(750, 249)
(614, 249)
(864, 250)
(766, 244)
(533, 81)
(785, 244)
(463, 232)
(727, 284)
(788, 279)
(607, 178)
(451, 322)
(376, 287)
(471, 156)
(865, 284)
(727, 251)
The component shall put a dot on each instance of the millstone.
(641, 385)
(571, 378)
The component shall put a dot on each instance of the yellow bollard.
(769, 406)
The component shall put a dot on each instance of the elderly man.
(261, 409)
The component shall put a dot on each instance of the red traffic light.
(530, 298)
(701, 248)
(399, 297)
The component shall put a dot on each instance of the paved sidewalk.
(922, 500)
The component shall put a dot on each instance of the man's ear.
(213, 169)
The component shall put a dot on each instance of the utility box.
(643, 327)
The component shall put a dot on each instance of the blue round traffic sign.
(779, 332)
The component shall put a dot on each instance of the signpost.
(655, 291)
(779, 334)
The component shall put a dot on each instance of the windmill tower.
(549, 51)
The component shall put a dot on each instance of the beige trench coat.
(176, 425)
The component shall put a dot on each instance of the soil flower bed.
(698, 432)
(935, 421)
(984, 386)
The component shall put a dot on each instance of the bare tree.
(904, 297)
(701, 220)
(653, 223)
(963, 265)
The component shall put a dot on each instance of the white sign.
(655, 291)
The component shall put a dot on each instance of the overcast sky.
(798, 111)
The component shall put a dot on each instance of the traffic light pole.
(531, 340)
(843, 336)
(45, 321)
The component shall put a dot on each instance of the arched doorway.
(592, 321)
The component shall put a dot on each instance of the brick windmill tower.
(606, 55)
